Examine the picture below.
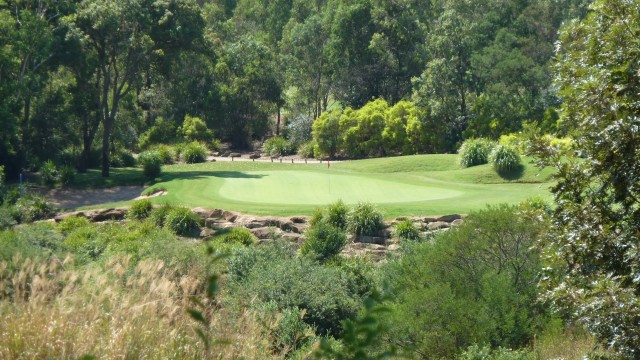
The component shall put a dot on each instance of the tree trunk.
(26, 126)
(278, 124)
(108, 123)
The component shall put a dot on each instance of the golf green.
(318, 188)
(407, 185)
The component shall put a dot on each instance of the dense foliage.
(86, 77)
(474, 284)
(475, 152)
(592, 248)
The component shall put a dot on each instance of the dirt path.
(74, 198)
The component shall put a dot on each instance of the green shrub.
(48, 173)
(140, 209)
(406, 229)
(67, 174)
(214, 145)
(151, 164)
(459, 289)
(278, 146)
(7, 216)
(238, 235)
(504, 158)
(166, 153)
(337, 214)
(182, 221)
(365, 219)
(299, 129)
(195, 129)
(194, 152)
(272, 273)
(317, 216)
(122, 158)
(71, 223)
(159, 214)
(163, 132)
(305, 150)
(359, 274)
(323, 241)
(33, 208)
(289, 332)
(475, 152)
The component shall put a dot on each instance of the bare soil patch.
(75, 198)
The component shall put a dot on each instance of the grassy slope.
(201, 184)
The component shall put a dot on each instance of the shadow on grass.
(513, 174)
(93, 179)
(204, 174)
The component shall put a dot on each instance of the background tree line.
(80, 79)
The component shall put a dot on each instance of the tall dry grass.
(50, 309)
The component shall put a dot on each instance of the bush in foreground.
(273, 273)
(30, 208)
(365, 219)
(238, 235)
(182, 221)
(323, 241)
(140, 209)
(406, 229)
(475, 152)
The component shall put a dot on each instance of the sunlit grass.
(49, 309)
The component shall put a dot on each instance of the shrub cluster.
(194, 152)
(278, 146)
(140, 209)
(182, 221)
(48, 173)
(475, 152)
(151, 164)
(162, 132)
(166, 153)
(373, 130)
(239, 236)
(445, 308)
(30, 208)
(504, 158)
(122, 158)
(365, 219)
(273, 273)
(323, 241)
(195, 129)
(407, 230)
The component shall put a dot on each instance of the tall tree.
(126, 37)
(593, 247)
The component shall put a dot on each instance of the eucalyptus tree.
(126, 36)
(592, 250)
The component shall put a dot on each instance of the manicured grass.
(422, 184)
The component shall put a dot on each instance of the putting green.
(408, 185)
(317, 188)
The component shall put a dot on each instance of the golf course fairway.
(408, 185)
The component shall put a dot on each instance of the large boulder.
(108, 215)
